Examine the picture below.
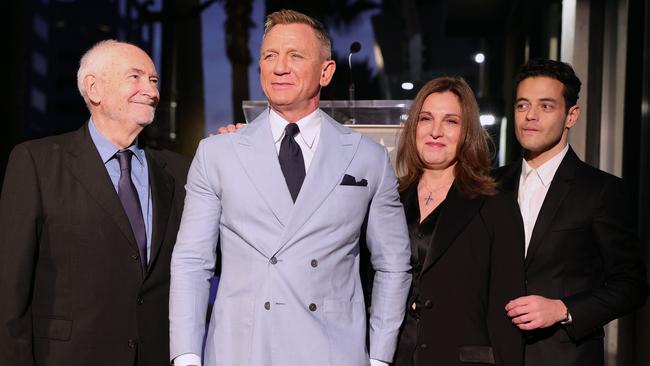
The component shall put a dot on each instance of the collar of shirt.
(546, 171)
(106, 149)
(309, 127)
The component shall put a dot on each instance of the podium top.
(359, 112)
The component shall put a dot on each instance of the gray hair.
(90, 63)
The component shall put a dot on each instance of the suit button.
(274, 260)
(132, 344)
(140, 301)
(135, 257)
(424, 346)
(314, 263)
(312, 307)
(428, 304)
(267, 305)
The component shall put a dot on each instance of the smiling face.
(541, 123)
(123, 91)
(293, 70)
(438, 130)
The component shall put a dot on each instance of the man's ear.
(572, 117)
(327, 72)
(90, 84)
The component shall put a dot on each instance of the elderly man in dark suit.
(581, 266)
(88, 220)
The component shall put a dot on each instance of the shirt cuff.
(374, 362)
(187, 359)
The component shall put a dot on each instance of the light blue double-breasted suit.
(290, 292)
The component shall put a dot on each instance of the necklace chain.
(428, 199)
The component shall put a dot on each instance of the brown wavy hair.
(473, 155)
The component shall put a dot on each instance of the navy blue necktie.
(291, 161)
(131, 203)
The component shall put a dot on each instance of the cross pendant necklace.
(428, 199)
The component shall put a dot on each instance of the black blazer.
(584, 251)
(73, 290)
(467, 277)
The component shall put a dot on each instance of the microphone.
(354, 48)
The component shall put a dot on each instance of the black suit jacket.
(466, 278)
(584, 251)
(73, 290)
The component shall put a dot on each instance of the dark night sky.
(217, 68)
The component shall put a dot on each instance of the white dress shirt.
(307, 139)
(533, 186)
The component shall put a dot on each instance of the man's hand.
(534, 312)
(230, 128)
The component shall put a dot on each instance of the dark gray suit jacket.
(73, 290)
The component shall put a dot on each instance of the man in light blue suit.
(288, 196)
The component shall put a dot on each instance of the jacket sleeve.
(20, 227)
(390, 252)
(194, 257)
(506, 277)
(625, 287)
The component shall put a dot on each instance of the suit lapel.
(409, 199)
(558, 190)
(86, 166)
(508, 183)
(334, 153)
(455, 215)
(258, 156)
(162, 195)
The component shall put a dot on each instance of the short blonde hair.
(293, 17)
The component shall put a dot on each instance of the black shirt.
(421, 236)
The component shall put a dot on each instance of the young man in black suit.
(88, 220)
(582, 266)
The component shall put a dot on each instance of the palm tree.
(335, 13)
(182, 98)
(237, 24)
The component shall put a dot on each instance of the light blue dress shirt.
(139, 174)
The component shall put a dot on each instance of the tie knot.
(124, 158)
(291, 130)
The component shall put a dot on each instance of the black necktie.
(131, 203)
(291, 161)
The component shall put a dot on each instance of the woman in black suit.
(463, 256)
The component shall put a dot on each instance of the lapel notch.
(258, 156)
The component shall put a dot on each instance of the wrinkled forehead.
(291, 35)
(124, 57)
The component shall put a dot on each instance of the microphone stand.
(354, 48)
